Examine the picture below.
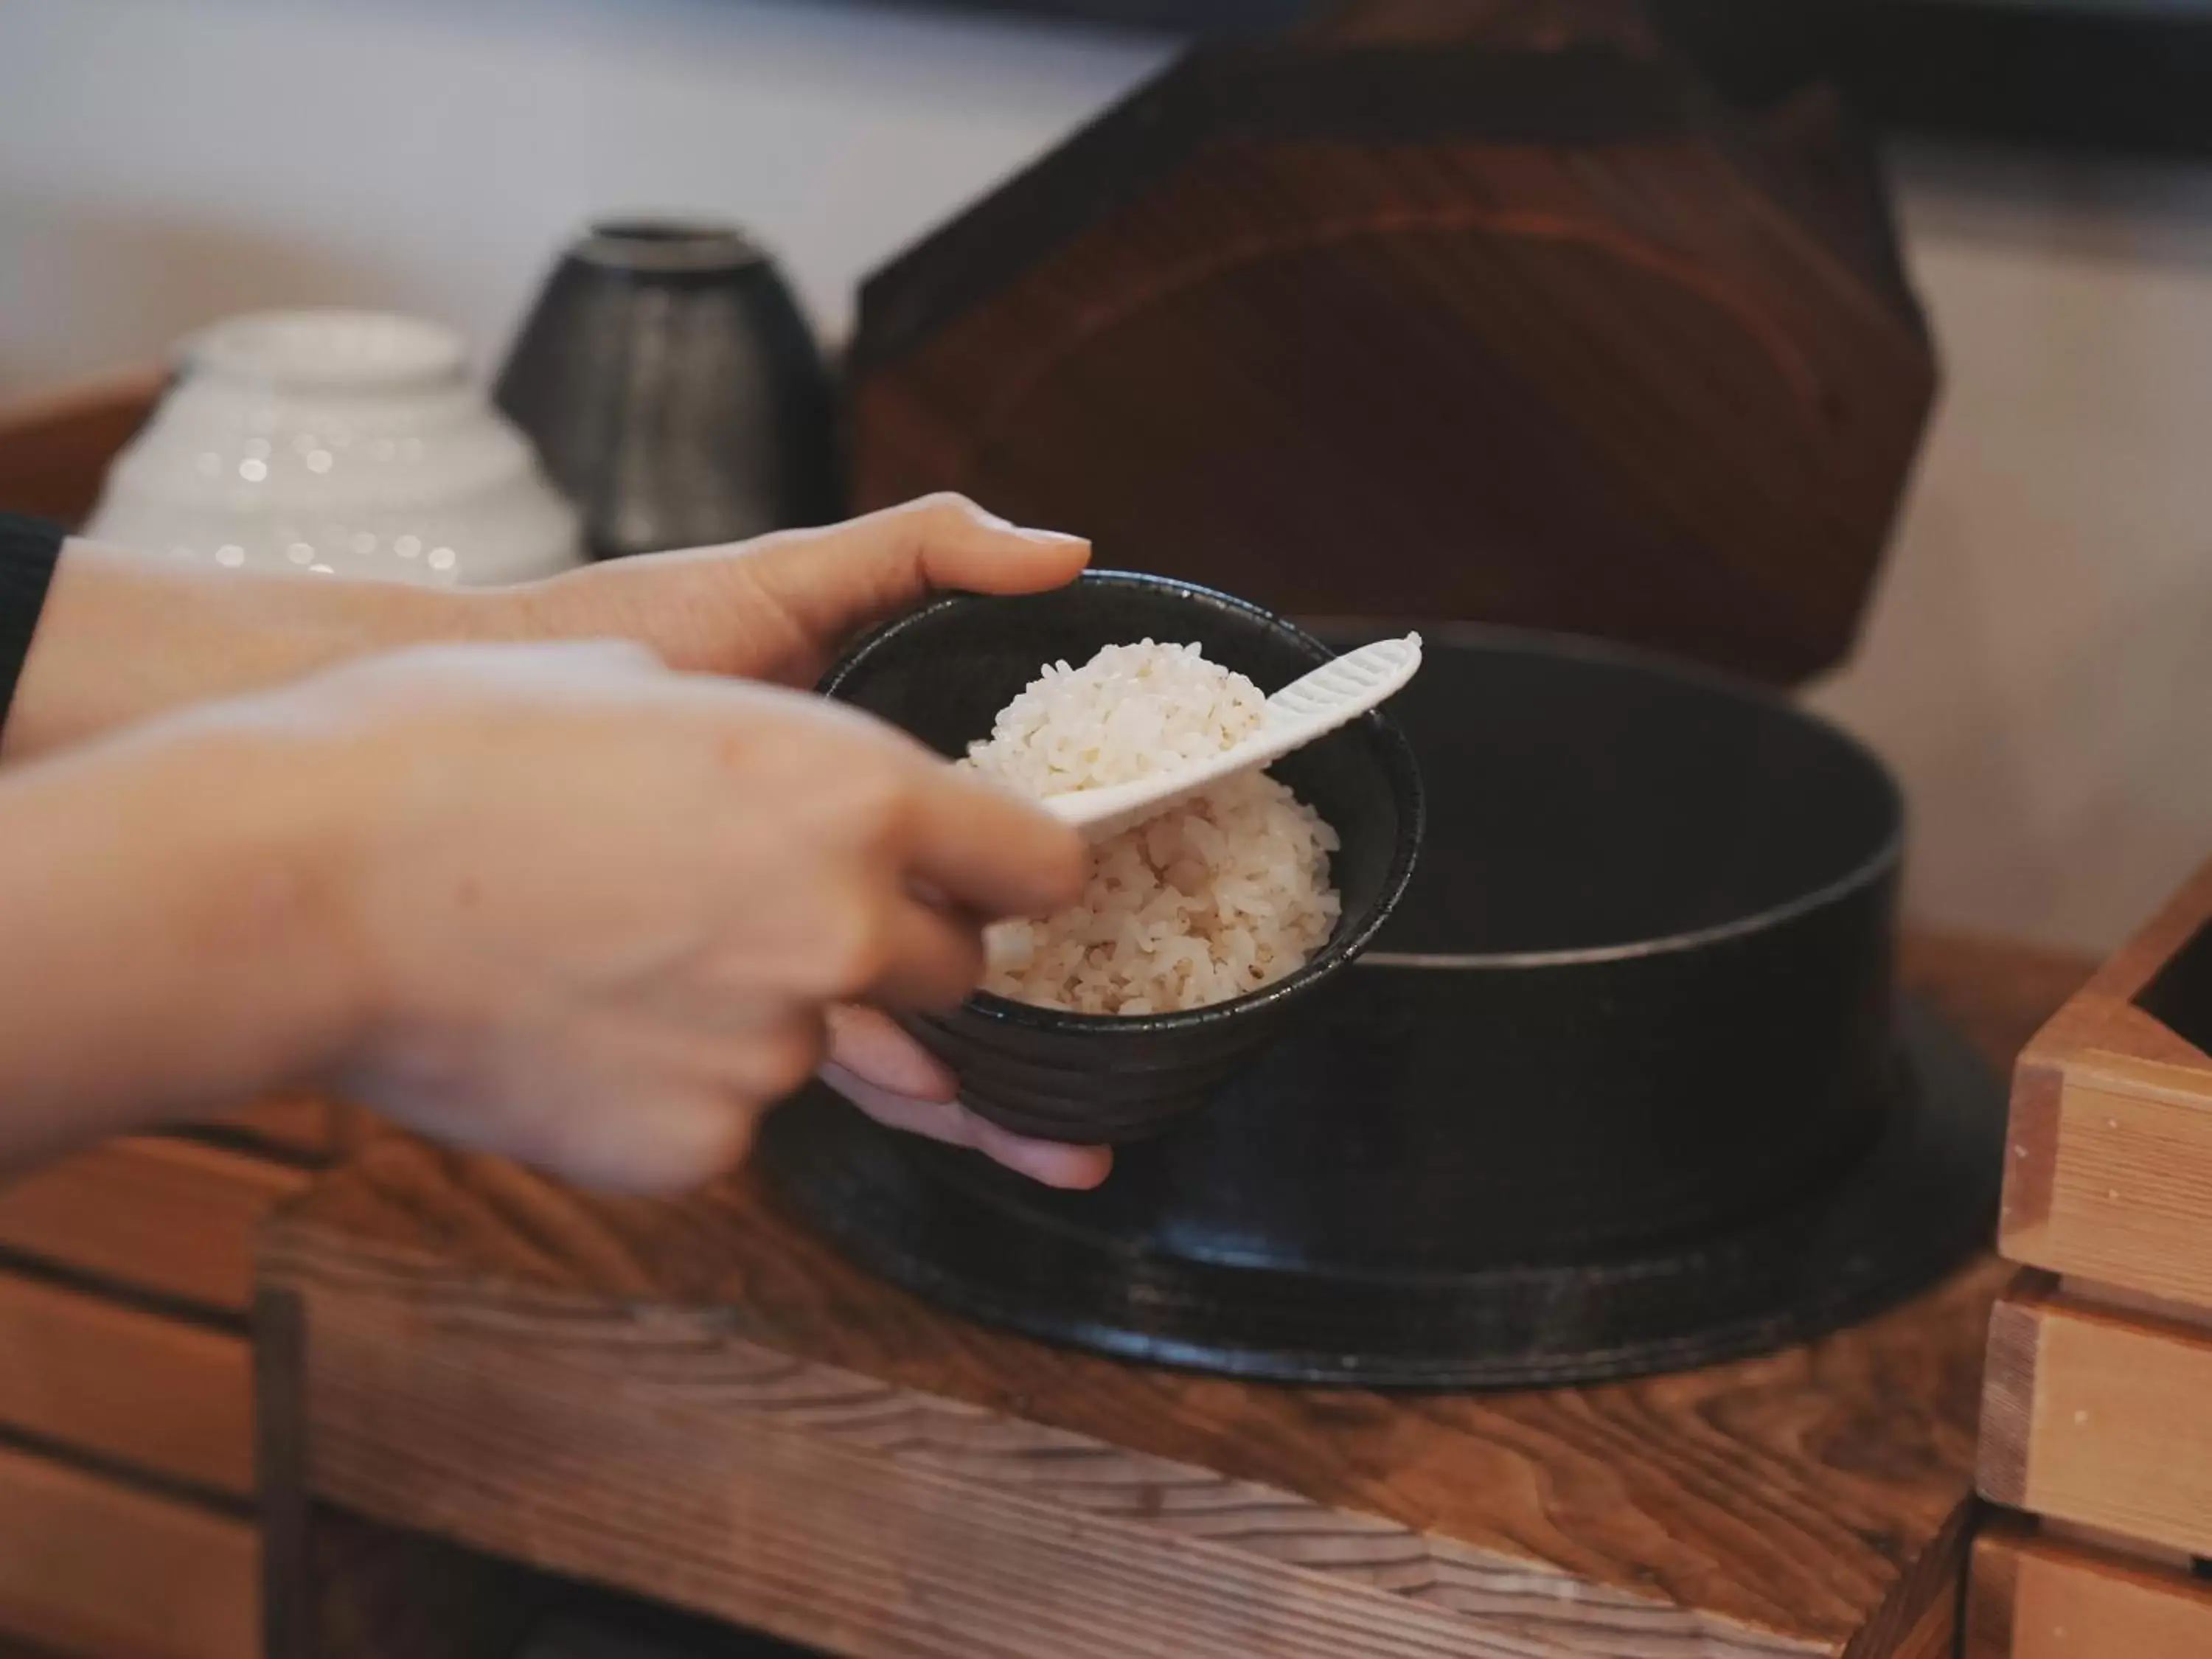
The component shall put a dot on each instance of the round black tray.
(941, 1224)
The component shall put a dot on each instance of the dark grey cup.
(674, 390)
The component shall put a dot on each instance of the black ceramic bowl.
(943, 673)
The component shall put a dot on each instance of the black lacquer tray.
(1623, 1086)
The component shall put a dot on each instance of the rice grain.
(1215, 898)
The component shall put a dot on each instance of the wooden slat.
(2033, 1598)
(107, 1573)
(2110, 1171)
(167, 1396)
(170, 1217)
(2126, 1195)
(2098, 1418)
(715, 1461)
(756, 1491)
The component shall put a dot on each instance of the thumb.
(833, 581)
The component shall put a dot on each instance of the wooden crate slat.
(753, 1492)
(2110, 1171)
(169, 1397)
(169, 1217)
(104, 1571)
(2098, 1418)
(2126, 1197)
(2034, 1598)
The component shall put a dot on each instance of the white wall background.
(2037, 665)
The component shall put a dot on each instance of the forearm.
(169, 947)
(124, 636)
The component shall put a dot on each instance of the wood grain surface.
(698, 1402)
(2110, 1176)
(2098, 1417)
(1934, 1637)
(168, 1216)
(104, 1571)
(2033, 1598)
(161, 1395)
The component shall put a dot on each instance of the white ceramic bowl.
(352, 443)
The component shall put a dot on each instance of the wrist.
(168, 953)
(259, 890)
(353, 620)
(559, 608)
(123, 638)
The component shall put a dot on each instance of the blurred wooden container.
(2094, 1421)
(1477, 312)
(128, 1529)
(56, 445)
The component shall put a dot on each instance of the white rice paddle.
(1308, 708)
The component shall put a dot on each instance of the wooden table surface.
(697, 1401)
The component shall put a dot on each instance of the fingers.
(774, 608)
(834, 580)
(953, 543)
(891, 1077)
(1076, 1168)
(1050, 1163)
(990, 851)
(936, 958)
(870, 1046)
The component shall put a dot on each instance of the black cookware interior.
(1582, 799)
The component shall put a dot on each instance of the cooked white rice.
(1210, 899)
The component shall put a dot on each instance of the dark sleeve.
(28, 549)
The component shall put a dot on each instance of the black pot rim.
(1346, 945)
(1877, 866)
(661, 243)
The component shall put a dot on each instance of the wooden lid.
(1504, 321)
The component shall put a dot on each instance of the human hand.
(127, 639)
(124, 637)
(778, 609)
(599, 912)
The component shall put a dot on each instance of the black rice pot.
(1622, 1084)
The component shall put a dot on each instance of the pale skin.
(569, 872)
